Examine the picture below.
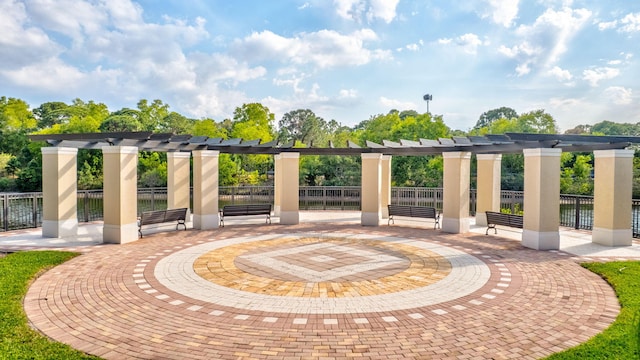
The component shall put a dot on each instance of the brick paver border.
(111, 302)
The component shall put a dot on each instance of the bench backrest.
(412, 211)
(247, 209)
(175, 214)
(505, 219)
(160, 216)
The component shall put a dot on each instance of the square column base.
(120, 234)
(370, 219)
(611, 237)
(59, 229)
(455, 226)
(289, 217)
(537, 240)
(481, 219)
(276, 210)
(206, 222)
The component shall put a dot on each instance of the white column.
(456, 188)
(178, 186)
(612, 197)
(277, 184)
(290, 204)
(371, 189)
(385, 189)
(59, 192)
(205, 189)
(120, 194)
(488, 186)
(541, 199)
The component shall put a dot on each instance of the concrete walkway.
(327, 288)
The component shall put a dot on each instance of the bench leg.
(181, 222)
(390, 221)
(495, 231)
(268, 220)
(437, 223)
(140, 230)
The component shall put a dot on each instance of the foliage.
(488, 117)
(576, 174)
(620, 340)
(18, 340)
(302, 125)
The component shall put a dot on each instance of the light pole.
(427, 98)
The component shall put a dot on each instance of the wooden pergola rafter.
(488, 144)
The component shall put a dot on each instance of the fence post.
(85, 201)
(577, 204)
(34, 209)
(5, 212)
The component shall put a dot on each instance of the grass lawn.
(18, 341)
(622, 339)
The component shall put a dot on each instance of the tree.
(537, 121)
(151, 115)
(302, 125)
(252, 122)
(120, 122)
(176, 124)
(51, 113)
(488, 117)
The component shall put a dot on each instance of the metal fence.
(24, 210)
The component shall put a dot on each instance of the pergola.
(612, 194)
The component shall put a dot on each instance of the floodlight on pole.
(427, 98)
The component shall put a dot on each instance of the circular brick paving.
(320, 291)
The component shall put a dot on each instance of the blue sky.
(344, 59)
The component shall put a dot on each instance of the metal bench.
(503, 219)
(162, 216)
(413, 211)
(245, 210)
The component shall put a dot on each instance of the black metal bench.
(413, 211)
(503, 219)
(245, 210)
(163, 216)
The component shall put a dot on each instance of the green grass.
(622, 339)
(17, 339)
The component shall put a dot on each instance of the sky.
(346, 60)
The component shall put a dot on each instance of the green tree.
(302, 125)
(152, 115)
(176, 124)
(488, 117)
(537, 121)
(15, 115)
(51, 113)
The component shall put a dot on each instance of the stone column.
(59, 192)
(178, 186)
(541, 199)
(385, 190)
(370, 195)
(277, 184)
(290, 196)
(488, 188)
(205, 189)
(612, 197)
(456, 187)
(120, 164)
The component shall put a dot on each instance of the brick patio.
(324, 289)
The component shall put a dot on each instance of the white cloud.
(46, 75)
(469, 43)
(413, 47)
(607, 25)
(503, 12)
(619, 95)
(397, 104)
(630, 23)
(356, 10)
(324, 48)
(594, 76)
(560, 74)
(547, 39)
(20, 43)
